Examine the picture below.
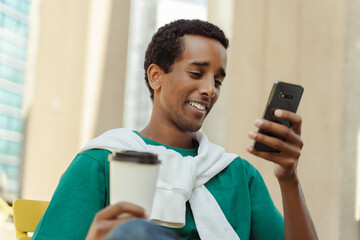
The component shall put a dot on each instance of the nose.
(207, 87)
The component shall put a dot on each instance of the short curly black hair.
(167, 44)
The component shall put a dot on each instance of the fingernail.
(258, 122)
(252, 134)
(249, 148)
(279, 112)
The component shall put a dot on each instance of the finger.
(276, 143)
(294, 118)
(286, 163)
(103, 227)
(112, 211)
(110, 224)
(279, 129)
(273, 157)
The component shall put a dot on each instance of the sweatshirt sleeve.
(80, 194)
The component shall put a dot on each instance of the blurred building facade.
(79, 75)
(14, 27)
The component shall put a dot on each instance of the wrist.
(290, 179)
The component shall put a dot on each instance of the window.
(13, 41)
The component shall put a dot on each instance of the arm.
(79, 200)
(298, 223)
(80, 194)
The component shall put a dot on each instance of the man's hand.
(107, 219)
(298, 223)
(290, 149)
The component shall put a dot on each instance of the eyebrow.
(200, 64)
(205, 64)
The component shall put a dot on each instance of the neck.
(167, 135)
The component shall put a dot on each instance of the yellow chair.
(27, 214)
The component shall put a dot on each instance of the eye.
(218, 82)
(195, 74)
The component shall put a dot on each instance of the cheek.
(171, 91)
(214, 99)
(176, 85)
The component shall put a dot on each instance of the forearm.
(298, 222)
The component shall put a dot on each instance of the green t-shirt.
(83, 190)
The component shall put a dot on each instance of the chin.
(192, 127)
(195, 129)
(187, 125)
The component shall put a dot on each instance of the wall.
(57, 82)
(350, 159)
(78, 71)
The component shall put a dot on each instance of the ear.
(154, 73)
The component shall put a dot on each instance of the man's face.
(189, 91)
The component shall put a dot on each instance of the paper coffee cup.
(133, 177)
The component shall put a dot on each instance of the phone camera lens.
(286, 96)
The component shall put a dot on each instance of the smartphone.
(282, 96)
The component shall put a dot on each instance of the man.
(214, 194)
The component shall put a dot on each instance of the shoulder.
(240, 165)
(94, 154)
(239, 174)
(92, 157)
(242, 173)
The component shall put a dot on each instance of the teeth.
(197, 105)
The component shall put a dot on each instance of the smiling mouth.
(198, 106)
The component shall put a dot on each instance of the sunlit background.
(70, 70)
